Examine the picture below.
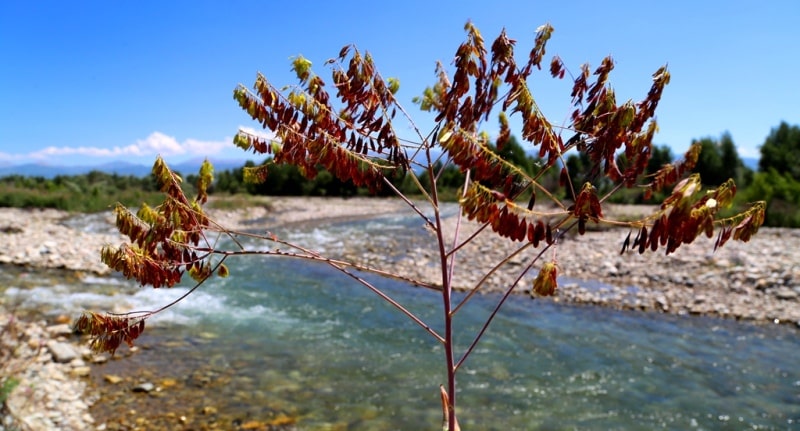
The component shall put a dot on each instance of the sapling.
(351, 127)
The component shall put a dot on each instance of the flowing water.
(285, 338)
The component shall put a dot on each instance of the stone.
(662, 303)
(81, 371)
(145, 387)
(62, 352)
(253, 425)
(99, 358)
(63, 318)
(786, 294)
(610, 269)
(168, 383)
(111, 378)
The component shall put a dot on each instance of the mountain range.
(116, 167)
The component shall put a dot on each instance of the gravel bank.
(48, 368)
(756, 281)
(759, 280)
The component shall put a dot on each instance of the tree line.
(88, 192)
(776, 180)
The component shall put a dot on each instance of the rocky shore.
(758, 281)
(46, 369)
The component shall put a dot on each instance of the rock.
(662, 303)
(99, 358)
(80, 371)
(785, 294)
(610, 269)
(11, 229)
(62, 352)
(110, 378)
(168, 383)
(63, 318)
(145, 387)
(209, 410)
(60, 330)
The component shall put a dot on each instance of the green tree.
(781, 151)
(662, 155)
(352, 135)
(579, 167)
(782, 194)
(731, 160)
(512, 151)
(709, 164)
(719, 161)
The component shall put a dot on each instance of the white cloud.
(8, 158)
(259, 133)
(749, 152)
(155, 144)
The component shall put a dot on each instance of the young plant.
(352, 132)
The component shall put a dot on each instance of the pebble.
(62, 352)
(110, 378)
(145, 387)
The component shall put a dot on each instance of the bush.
(782, 193)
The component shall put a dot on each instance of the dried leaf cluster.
(108, 332)
(310, 132)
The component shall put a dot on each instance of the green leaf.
(394, 85)
(302, 67)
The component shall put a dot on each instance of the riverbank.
(44, 369)
(758, 281)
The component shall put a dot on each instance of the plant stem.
(447, 290)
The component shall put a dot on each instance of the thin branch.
(146, 314)
(507, 293)
(408, 202)
(314, 256)
(486, 276)
(391, 301)
(500, 303)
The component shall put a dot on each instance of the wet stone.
(110, 378)
(145, 387)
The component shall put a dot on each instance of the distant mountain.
(44, 170)
(139, 170)
(116, 167)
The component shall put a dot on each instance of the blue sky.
(93, 82)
